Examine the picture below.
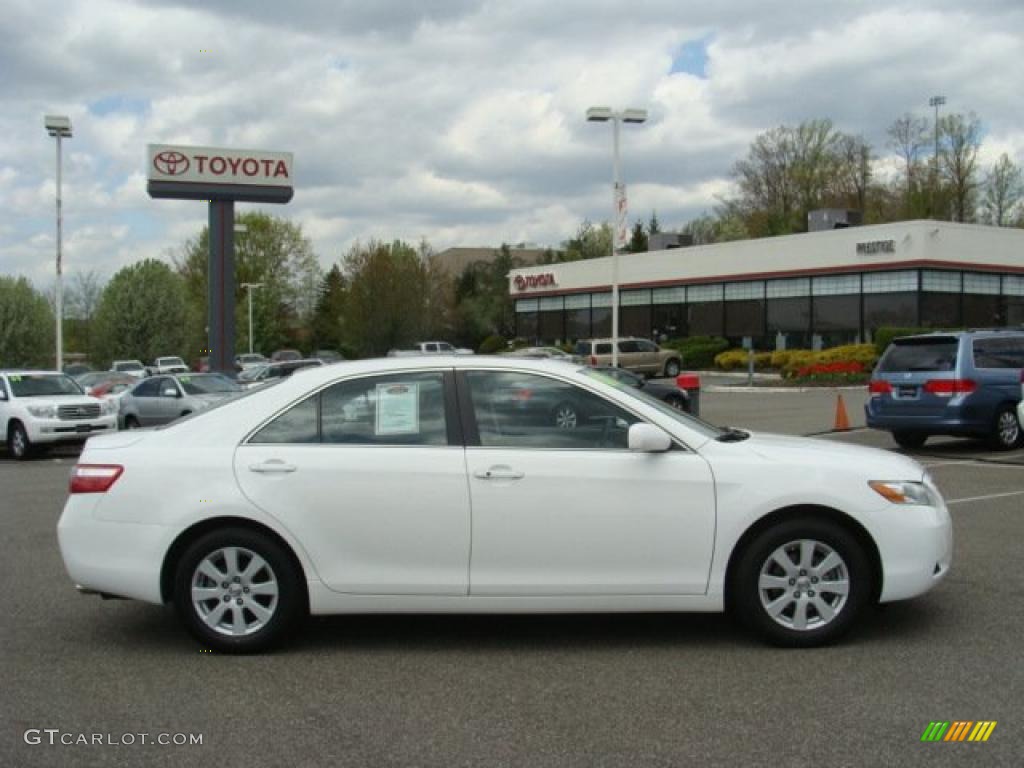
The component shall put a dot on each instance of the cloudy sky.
(458, 121)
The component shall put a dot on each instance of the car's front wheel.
(672, 368)
(18, 443)
(801, 583)
(130, 422)
(1006, 433)
(237, 591)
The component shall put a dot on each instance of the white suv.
(38, 408)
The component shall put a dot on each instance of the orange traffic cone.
(842, 420)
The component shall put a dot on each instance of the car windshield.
(708, 430)
(43, 385)
(207, 384)
(253, 358)
(933, 353)
(252, 373)
(128, 367)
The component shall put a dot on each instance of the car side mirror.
(647, 438)
(170, 392)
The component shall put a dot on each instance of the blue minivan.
(962, 383)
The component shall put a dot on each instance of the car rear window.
(935, 353)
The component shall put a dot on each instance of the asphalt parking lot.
(648, 690)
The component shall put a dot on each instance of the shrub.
(492, 345)
(737, 359)
(698, 351)
(885, 335)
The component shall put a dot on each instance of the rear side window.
(629, 346)
(921, 354)
(1002, 352)
(602, 349)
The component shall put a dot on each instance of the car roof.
(29, 371)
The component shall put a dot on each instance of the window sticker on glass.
(398, 409)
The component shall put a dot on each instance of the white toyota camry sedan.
(491, 485)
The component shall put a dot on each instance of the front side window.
(148, 388)
(299, 424)
(629, 346)
(526, 410)
(207, 384)
(647, 346)
(1003, 352)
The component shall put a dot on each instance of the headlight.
(43, 411)
(904, 492)
(108, 406)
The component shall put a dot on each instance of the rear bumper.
(949, 423)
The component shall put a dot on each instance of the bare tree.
(84, 295)
(907, 138)
(854, 169)
(1002, 191)
(959, 162)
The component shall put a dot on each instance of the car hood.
(117, 440)
(875, 462)
(59, 400)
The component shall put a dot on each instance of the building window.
(940, 310)
(744, 291)
(889, 309)
(705, 318)
(835, 285)
(577, 301)
(975, 282)
(552, 303)
(674, 295)
(890, 282)
(981, 311)
(551, 326)
(699, 293)
(641, 298)
(788, 288)
(527, 305)
(635, 321)
(601, 299)
(940, 282)
(577, 324)
(1013, 285)
(669, 321)
(790, 317)
(836, 319)
(744, 318)
(601, 321)
(527, 325)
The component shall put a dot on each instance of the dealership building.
(812, 290)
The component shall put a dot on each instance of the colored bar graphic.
(958, 730)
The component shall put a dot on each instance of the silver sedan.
(162, 399)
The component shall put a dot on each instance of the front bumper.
(916, 550)
(59, 430)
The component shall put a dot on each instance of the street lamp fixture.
(249, 287)
(59, 126)
(604, 115)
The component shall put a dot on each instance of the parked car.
(103, 383)
(168, 365)
(962, 383)
(284, 355)
(430, 348)
(249, 360)
(255, 377)
(544, 353)
(639, 355)
(331, 492)
(74, 370)
(328, 356)
(40, 408)
(667, 393)
(131, 367)
(162, 399)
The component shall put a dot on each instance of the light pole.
(249, 287)
(604, 115)
(59, 126)
(936, 102)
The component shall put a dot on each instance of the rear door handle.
(499, 473)
(271, 466)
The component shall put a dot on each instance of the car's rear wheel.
(672, 368)
(909, 438)
(1006, 432)
(801, 583)
(130, 422)
(18, 443)
(237, 591)
(678, 402)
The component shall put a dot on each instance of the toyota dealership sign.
(207, 173)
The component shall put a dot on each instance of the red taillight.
(950, 387)
(94, 478)
(880, 387)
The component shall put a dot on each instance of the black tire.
(759, 558)
(283, 612)
(672, 368)
(909, 438)
(18, 444)
(565, 415)
(1006, 431)
(130, 422)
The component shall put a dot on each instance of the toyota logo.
(171, 163)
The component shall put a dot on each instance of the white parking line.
(984, 498)
(988, 464)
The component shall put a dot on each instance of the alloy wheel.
(803, 585)
(234, 591)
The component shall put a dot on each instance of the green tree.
(27, 326)
(1002, 192)
(958, 161)
(638, 239)
(81, 300)
(141, 314)
(329, 314)
(589, 242)
(271, 251)
(484, 307)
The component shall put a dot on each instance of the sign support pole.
(221, 286)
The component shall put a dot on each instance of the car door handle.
(272, 465)
(499, 473)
